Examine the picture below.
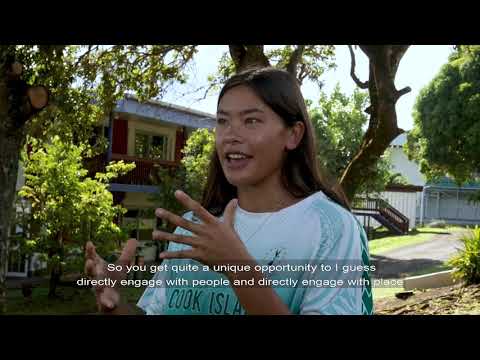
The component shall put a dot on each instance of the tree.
(310, 61)
(71, 208)
(81, 85)
(190, 175)
(446, 135)
(339, 123)
(196, 159)
(84, 82)
(382, 125)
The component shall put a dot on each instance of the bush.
(467, 262)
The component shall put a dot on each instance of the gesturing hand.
(214, 242)
(97, 268)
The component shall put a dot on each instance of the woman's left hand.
(214, 242)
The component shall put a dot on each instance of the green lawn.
(82, 301)
(434, 269)
(379, 246)
(381, 292)
(71, 301)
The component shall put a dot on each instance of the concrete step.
(429, 281)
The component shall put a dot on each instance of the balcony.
(143, 174)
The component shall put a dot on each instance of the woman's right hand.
(108, 298)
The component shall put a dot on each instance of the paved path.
(400, 262)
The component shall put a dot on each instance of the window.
(154, 147)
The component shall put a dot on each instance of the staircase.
(383, 212)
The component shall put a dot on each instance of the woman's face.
(251, 138)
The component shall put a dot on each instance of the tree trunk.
(54, 280)
(247, 56)
(11, 141)
(9, 154)
(56, 271)
(382, 127)
(18, 102)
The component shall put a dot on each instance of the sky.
(417, 68)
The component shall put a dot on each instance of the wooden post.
(458, 205)
(438, 205)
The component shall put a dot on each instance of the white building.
(442, 200)
(409, 169)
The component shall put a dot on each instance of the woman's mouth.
(237, 160)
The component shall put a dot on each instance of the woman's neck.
(265, 197)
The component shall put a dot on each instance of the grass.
(381, 292)
(434, 269)
(82, 301)
(71, 301)
(420, 235)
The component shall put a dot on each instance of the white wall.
(154, 129)
(20, 177)
(405, 202)
(407, 168)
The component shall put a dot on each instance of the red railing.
(143, 174)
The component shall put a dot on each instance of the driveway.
(401, 262)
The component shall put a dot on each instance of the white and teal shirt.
(315, 230)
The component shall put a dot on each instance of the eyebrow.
(243, 112)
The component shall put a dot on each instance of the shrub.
(467, 262)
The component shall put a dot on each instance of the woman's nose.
(232, 132)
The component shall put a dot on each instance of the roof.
(173, 106)
(163, 111)
(403, 188)
(446, 182)
(399, 140)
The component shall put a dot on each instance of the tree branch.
(38, 97)
(237, 53)
(370, 50)
(295, 59)
(397, 53)
(402, 92)
(86, 53)
(16, 69)
(399, 50)
(360, 84)
(302, 74)
(247, 56)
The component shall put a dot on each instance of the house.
(150, 134)
(439, 200)
(420, 202)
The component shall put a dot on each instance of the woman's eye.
(221, 121)
(251, 121)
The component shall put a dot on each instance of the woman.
(265, 202)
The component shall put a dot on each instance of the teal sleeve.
(154, 299)
(343, 242)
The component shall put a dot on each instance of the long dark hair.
(301, 175)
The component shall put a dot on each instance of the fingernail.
(159, 212)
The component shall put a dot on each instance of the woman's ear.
(295, 135)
